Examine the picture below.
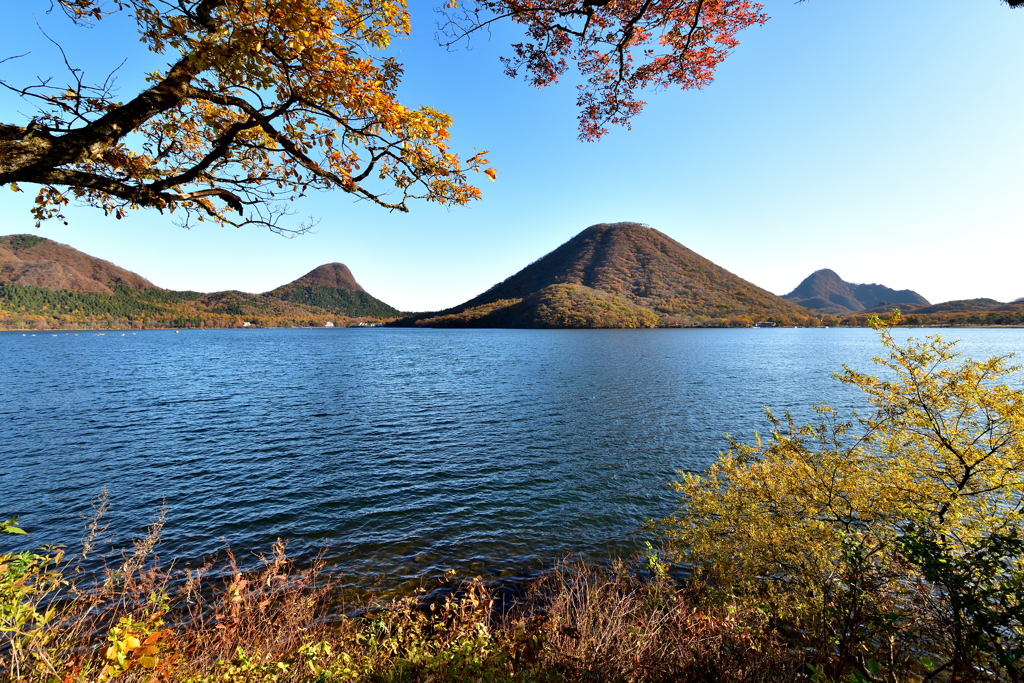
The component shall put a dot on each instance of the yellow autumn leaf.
(317, 81)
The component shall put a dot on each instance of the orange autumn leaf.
(619, 48)
(260, 102)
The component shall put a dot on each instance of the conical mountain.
(332, 287)
(31, 261)
(824, 291)
(621, 275)
(335, 275)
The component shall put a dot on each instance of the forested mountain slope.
(47, 285)
(332, 287)
(33, 261)
(824, 291)
(621, 275)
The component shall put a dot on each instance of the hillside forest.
(621, 275)
(36, 308)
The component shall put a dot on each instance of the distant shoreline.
(414, 327)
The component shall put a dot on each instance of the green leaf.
(10, 526)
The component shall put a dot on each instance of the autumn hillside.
(621, 275)
(332, 287)
(333, 275)
(824, 291)
(33, 261)
(961, 306)
(47, 285)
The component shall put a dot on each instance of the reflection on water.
(405, 452)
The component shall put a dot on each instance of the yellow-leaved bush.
(821, 525)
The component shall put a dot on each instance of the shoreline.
(376, 325)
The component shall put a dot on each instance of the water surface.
(404, 452)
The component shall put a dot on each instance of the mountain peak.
(827, 273)
(824, 291)
(620, 275)
(332, 287)
(335, 275)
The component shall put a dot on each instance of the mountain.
(824, 291)
(333, 288)
(47, 285)
(958, 306)
(619, 275)
(32, 261)
(333, 275)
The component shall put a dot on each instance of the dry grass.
(609, 624)
(139, 621)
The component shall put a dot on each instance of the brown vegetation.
(34, 261)
(46, 285)
(972, 313)
(137, 621)
(824, 291)
(556, 306)
(335, 275)
(620, 275)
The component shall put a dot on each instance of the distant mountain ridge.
(981, 305)
(40, 278)
(620, 275)
(824, 291)
(32, 261)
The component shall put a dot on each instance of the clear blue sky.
(881, 138)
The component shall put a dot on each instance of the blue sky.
(883, 140)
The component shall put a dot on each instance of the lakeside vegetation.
(137, 621)
(24, 307)
(886, 547)
(556, 306)
(890, 543)
(352, 304)
(1009, 317)
(38, 308)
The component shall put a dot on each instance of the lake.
(403, 452)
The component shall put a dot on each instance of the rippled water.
(405, 452)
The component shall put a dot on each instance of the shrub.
(275, 623)
(886, 543)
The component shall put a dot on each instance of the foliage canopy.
(892, 538)
(264, 100)
(261, 101)
(619, 47)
